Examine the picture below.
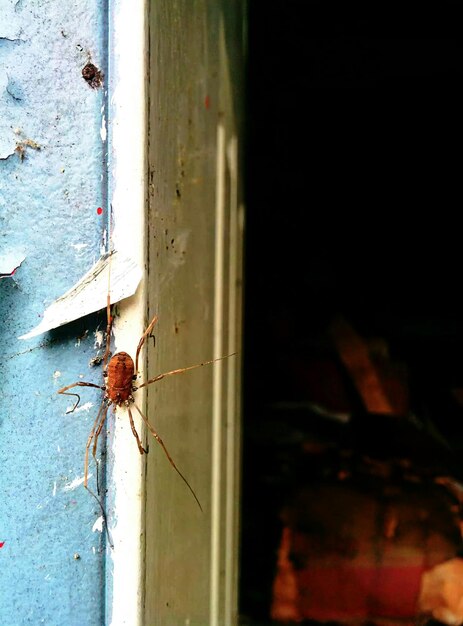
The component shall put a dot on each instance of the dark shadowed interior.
(353, 405)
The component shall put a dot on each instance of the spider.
(120, 374)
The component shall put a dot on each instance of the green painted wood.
(194, 264)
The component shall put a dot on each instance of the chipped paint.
(56, 374)
(99, 338)
(79, 246)
(103, 133)
(47, 203)
(79, 480)
(9, 263)
(89, 293)
(98, 525)
(80, 338)
(104, 242)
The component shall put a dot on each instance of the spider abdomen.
(120, 378)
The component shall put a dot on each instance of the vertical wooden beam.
(195, 240)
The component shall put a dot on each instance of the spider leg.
(103, 513)
(109, 323)
(135, 434)
(101, 413)
(183, 369)
(95, 444)
(171, 461)
(63, 391)
(98, 420)
(142, 340)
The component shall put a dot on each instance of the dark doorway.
(353, 205)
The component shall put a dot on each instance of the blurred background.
(353, 402)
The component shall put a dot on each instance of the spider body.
(119, 379)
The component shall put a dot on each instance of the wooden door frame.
(197, 414)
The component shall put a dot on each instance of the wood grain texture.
(195, 244)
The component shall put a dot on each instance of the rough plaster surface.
(51, 182)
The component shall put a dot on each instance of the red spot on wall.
(2, 543)
(207, 102)
(99, 210)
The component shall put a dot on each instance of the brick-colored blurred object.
(352, 554)
(442, 592)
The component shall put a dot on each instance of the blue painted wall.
(48, 203)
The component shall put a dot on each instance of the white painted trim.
(128, 132)
(216, 517)
(231, 547)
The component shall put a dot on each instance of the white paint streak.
(79, 480)
(85, 407)
(79, 246)
(98, 339)
(232, 433)
(103, 132)
(98, 525)
(104, 241)
(54, 488)
(217, 426)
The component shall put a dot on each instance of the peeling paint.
(14, 90)
(49, 116)
(90, 292)
(98, 525)
(9, 263)
(11, 31)
(5, 154)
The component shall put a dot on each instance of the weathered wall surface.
(52, 180)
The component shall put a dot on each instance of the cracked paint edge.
(9, 263)
(89, 294)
